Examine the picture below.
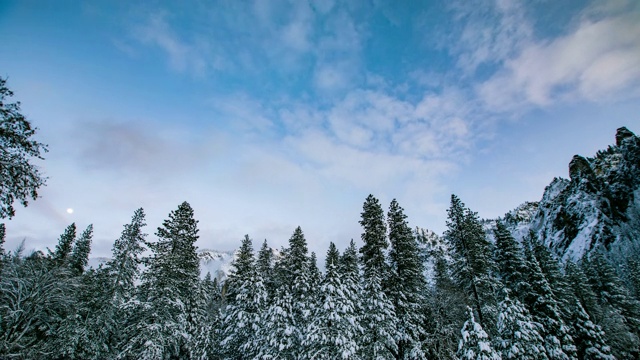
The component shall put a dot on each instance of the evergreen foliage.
(589, 337)
(246, 299)
(475, 344)
(335, 331)
(518, 335)
(379, 321)
(374, 237)
(620, 311)
(407, 284)
(510, 261)
(378, 305)
(79, 257)
(64, 246)
(20, 179)
(265, 267)
(544, 307)
(473, 264)
(164, 318)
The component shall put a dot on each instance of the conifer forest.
(396, 293)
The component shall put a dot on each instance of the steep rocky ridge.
(599, 206)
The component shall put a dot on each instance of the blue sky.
(266, 115)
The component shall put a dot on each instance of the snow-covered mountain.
(218, 263)
(599, 206)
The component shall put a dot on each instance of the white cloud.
(182, 55)
(598, 59)
(493, 31)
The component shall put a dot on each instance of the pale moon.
(69, 211)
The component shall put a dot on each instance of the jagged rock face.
(579, 167)
(623, 133)
(599, 206)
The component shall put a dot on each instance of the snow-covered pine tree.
(589, 337)
(544, 308)
(379, 322)
(550, 266)
(407, 285)
(448, 313)
(64, 247)
(374, 238)
(510, 261)
(518, 335)
(350, 275)
(246, 300)
(122, 272)
(3, 234)
(352, 287)
(620, 319)
(124, 266)
(633, 273)
(278, 334)
(265, 265)
(34, 300)
(163, 317)
(473, 264)
(206, 342)
(291, 307)
(334, 330)
(475, 343)
(79, 257)
(315, 276)
(582, 290)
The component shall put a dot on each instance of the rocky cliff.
(598, 206)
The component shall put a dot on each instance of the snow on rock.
(599, 207)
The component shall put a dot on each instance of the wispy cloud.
(595, 60)
(183, 56)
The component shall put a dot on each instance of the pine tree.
(64, 246)
(407, 284)
(3, 234)
(374, 238)
(315, 277)
(34, 300)
(246, 299)
(20, 178)
(293, 302)
(205, 344)
(518, 335)
(475, 344)
(544, 308)
(80, 255)
(163, 322)
(619, 310)
(265, 266)
(446, 304)
(550, 266)
(510, 261)
(124, 267)
(278, 333)
(473, 264)
(334, 330)
(582, 290)
(379, 321)
(122, 272)
(589, 337)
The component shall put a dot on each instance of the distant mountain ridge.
(599, 206)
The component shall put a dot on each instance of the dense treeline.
(397, 294)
